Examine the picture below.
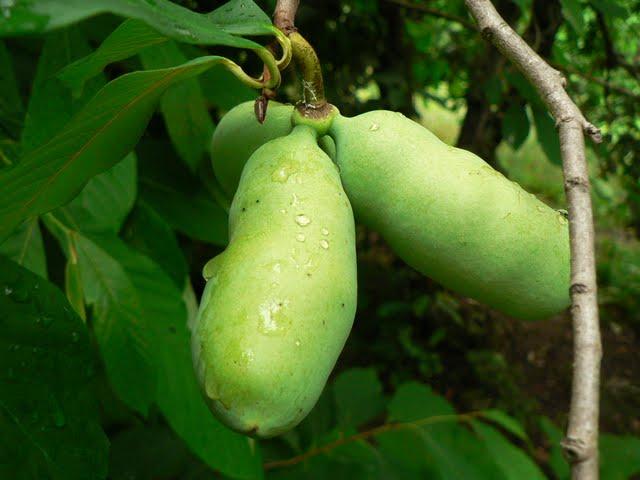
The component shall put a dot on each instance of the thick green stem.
(309, 67)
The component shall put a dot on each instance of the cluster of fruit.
(280, 300)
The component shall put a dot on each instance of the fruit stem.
(309, 67)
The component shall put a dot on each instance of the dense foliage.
(109, 210)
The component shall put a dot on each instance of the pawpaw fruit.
(452, 217)
(280, 300)
(239, 134)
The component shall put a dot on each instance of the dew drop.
(282, 210)
(300, 237)
(324, 244)
(540, 208)
(297, 343)
(374, 127)
(303, 220)
(276, 267)
(325, 231)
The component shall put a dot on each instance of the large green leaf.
(50, 103)
(24, 246)
(117, 322)
(358, 396)
(177, 393)
(619, 457)
(131, 37)
(96, 138)
(513, 462)
(178, 196)
(11, 108)
(172, 20)
(148, 233)
(435, 444)
(49, 423)
(183, 107)
(105, 201)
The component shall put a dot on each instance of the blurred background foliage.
(417, 351)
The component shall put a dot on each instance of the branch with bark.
(581, 442)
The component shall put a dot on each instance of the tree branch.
(366, 434)
(581, 442)
(434, 12)
(284, 15)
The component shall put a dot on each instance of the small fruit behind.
(452, 217)
(239, 134)
(280, 300)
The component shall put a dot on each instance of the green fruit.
(280, 300)
(239, 134)
(452, 217)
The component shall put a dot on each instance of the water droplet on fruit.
(276, 267)
(283, 172)
(325, 231)
(282, 210)
(540, 208)
(271, 316)
(300, 237)
(324, 244)
(374, 127)
(303, 220)
(297, 343)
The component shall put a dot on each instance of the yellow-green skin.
(280, 300)
(239, 134)
(452, 217)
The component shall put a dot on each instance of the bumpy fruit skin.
(280, 300)
(452, 217)
(239, 134)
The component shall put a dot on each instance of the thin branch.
(606, 84)
(581, 442)
(387, 427)
(434, 12)
(284, 15)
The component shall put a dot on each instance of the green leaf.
(557, 461)
(513, 462)
(24, 246)
(611, 8)
(49, 423)
(183, 107)
(358, 396)
(510, 424)
(178, 196)
(515, 126)
(166, 17)
(572, 11)
(223, 90)
(619, 456)
(116, 319)
(105, 201)
(547, 135)
(11, 108)
(148, 233)
(50, 104)
(131, 37)
(434, 444)
(415, 401)
(178, 394)
(101, 134)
